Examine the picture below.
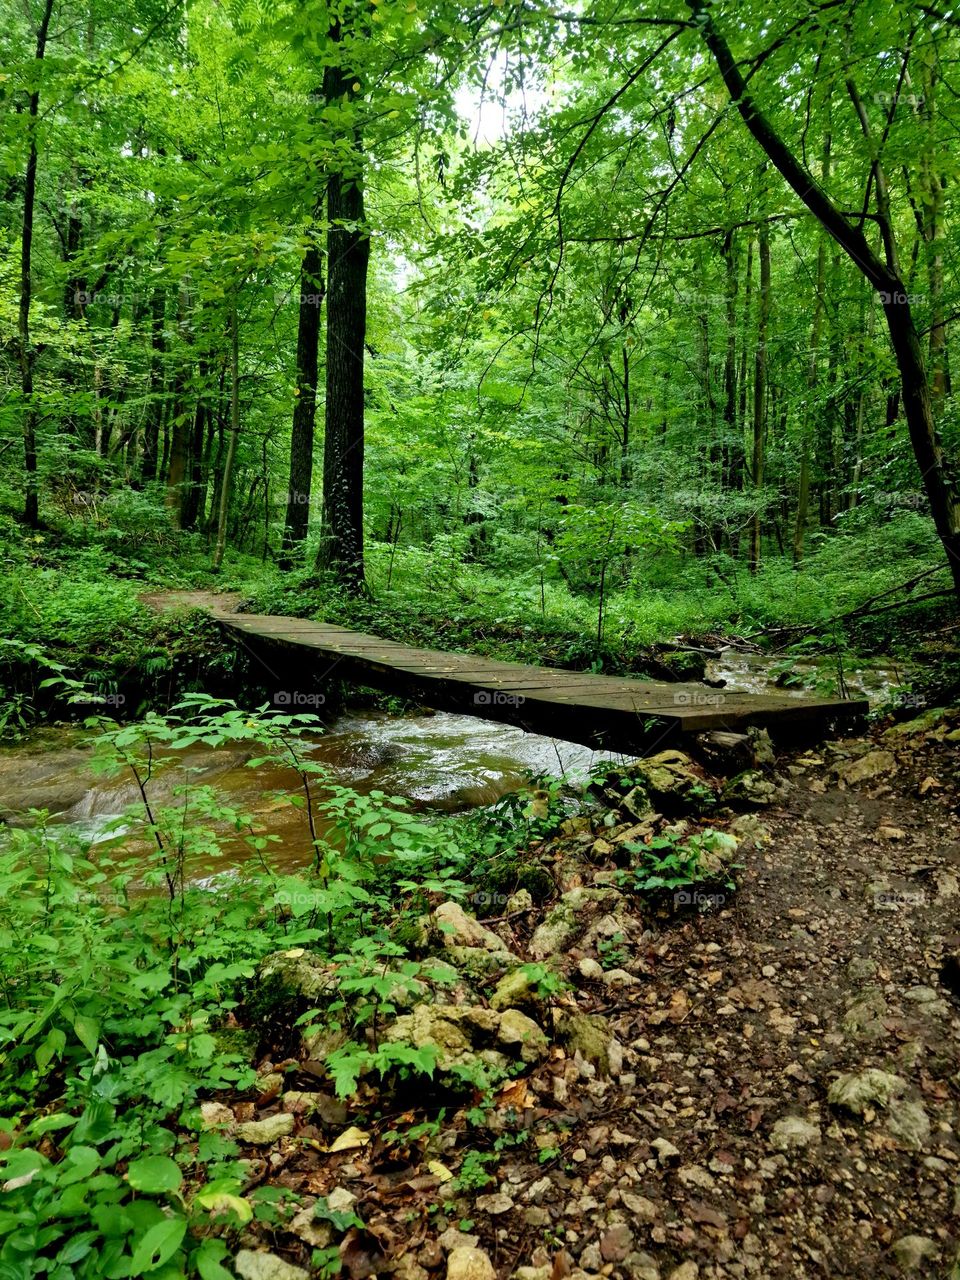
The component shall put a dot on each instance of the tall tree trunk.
(181, 426)
(760, 394)
(883, 275)
(25, 351)
(348, 256)
(226, 483)
(733, 440)
(297, 519)
(803, 487)
(151, 430)
(195, 493)
(930, 217)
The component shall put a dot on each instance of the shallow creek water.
(437, 761)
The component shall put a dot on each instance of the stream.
(437, 761)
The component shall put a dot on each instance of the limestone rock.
(477, 963)
(460, 929)
(616, 1243)
(908, 1122)
(792, 1132)
(453, 1239)
(642, 1210)
(864, 1015)
(749, 829)
(468, 1264)
(686, 1271)
(495, 1203)
(752, 789)
(299, 972)
(517, 1029)
(214, 1115)
(673, 782)
(263, 1132)
(567, 918)
(252, 1264)
(514, 989)
(919, 724)
(590, 1036)
(857, 1091)
(867, 767)
(556, 930)
(912, 1251)
(312, 1231)
(667, 1153)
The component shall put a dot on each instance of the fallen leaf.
(350, 1140)
(562, 1266)
(516, 1094)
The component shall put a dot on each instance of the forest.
(612, 339)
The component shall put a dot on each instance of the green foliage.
(120, 976)
(689, 868)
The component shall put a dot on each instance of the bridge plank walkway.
(608, 712)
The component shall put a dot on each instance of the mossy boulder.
(587, 1034)
(470, 1035)
(675, 784)
(517, 989)
(752, 789)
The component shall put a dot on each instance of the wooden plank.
(615, 712)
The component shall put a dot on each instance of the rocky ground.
(754, 1084)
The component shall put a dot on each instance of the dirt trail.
(783, 1096)
(215, 602)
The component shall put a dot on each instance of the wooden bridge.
(613, 713)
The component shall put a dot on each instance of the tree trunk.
(760, 394)
(733, 439)
(25, 351)
(151, 430)
(803, 488)
(348, 256)
(305, 409)
(226, 483)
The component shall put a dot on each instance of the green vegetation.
(121, 980)
(664, 355)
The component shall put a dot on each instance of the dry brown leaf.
(350, 1140)
(562, 1266)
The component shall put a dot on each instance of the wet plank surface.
(609, 712)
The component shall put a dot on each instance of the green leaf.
(78, 1165)
(154, 1175)
(87, 1031)
(52, 1047)
(207, 1260)
(158, 1245)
